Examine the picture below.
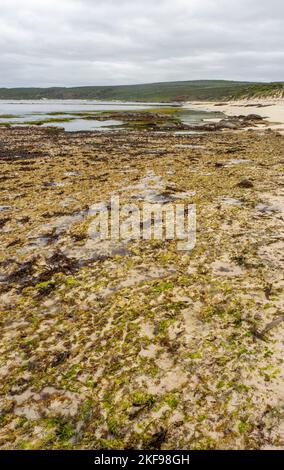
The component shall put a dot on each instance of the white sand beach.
(271, 109)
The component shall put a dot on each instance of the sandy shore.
(272, 110)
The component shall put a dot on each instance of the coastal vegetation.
(198, 90)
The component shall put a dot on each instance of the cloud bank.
(111, 42)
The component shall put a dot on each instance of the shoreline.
(270, 109)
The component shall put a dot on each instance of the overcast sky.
(106, 42)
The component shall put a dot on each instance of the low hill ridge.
(197, 90)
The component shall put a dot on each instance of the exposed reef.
(138, 345)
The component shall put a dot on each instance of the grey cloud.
(84, 42)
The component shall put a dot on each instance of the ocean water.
(21, 111)
(30, 107)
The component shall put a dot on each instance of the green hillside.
(168, 91)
